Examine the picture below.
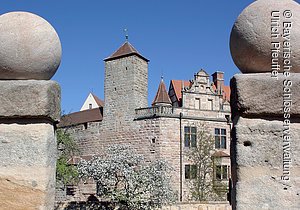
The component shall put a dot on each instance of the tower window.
(153, 140)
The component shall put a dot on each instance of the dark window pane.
(217, 131)
(193, 130)
(186, 129)
(218, 172)
(193, 141)
(223, 131)
(217, 142)
(187, 140)
(224, 172)
(223, 142)
(187, 171)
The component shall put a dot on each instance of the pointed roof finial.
(126, 34)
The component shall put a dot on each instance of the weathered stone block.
(27, 166)
(30, 99)
(262, 95)
(266, 167)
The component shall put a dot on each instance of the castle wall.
(155, 132)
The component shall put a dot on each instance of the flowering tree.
(127, 180)
(204, 187)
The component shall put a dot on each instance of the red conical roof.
(162, 96)
(125, 50)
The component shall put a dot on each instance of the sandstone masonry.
(159, 131)
(265, 152)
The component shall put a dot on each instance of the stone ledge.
(30, 99)
(262, 95)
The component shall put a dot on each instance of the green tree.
(65, 172)
(127, 180)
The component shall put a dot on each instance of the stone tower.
(125, 86)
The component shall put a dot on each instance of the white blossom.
(125, 178)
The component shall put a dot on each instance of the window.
(210, 104)
(221, 172)
(197, 103)
(190, 171)
(90, 106)
(220, 138)
(190, 135)
(85, 125)
(153, 140)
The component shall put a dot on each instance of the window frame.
(220, 138)
(190, 136)
(190, 171)
(222, 172)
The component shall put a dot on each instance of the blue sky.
(178, 37)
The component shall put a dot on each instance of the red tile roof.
(177, 85)
(125, 50)
(76, 118)
(161, 95)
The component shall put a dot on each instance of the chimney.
(218, 80)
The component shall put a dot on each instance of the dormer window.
(90, 106)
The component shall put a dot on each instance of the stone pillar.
(265, 105)
(265, 147)
(30, 54)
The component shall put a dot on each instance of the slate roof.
(125, 50)
(162, 96)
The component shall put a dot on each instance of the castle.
(165, 130)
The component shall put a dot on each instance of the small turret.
(162, 98)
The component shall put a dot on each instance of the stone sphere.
(30, 47)
(260, 24)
